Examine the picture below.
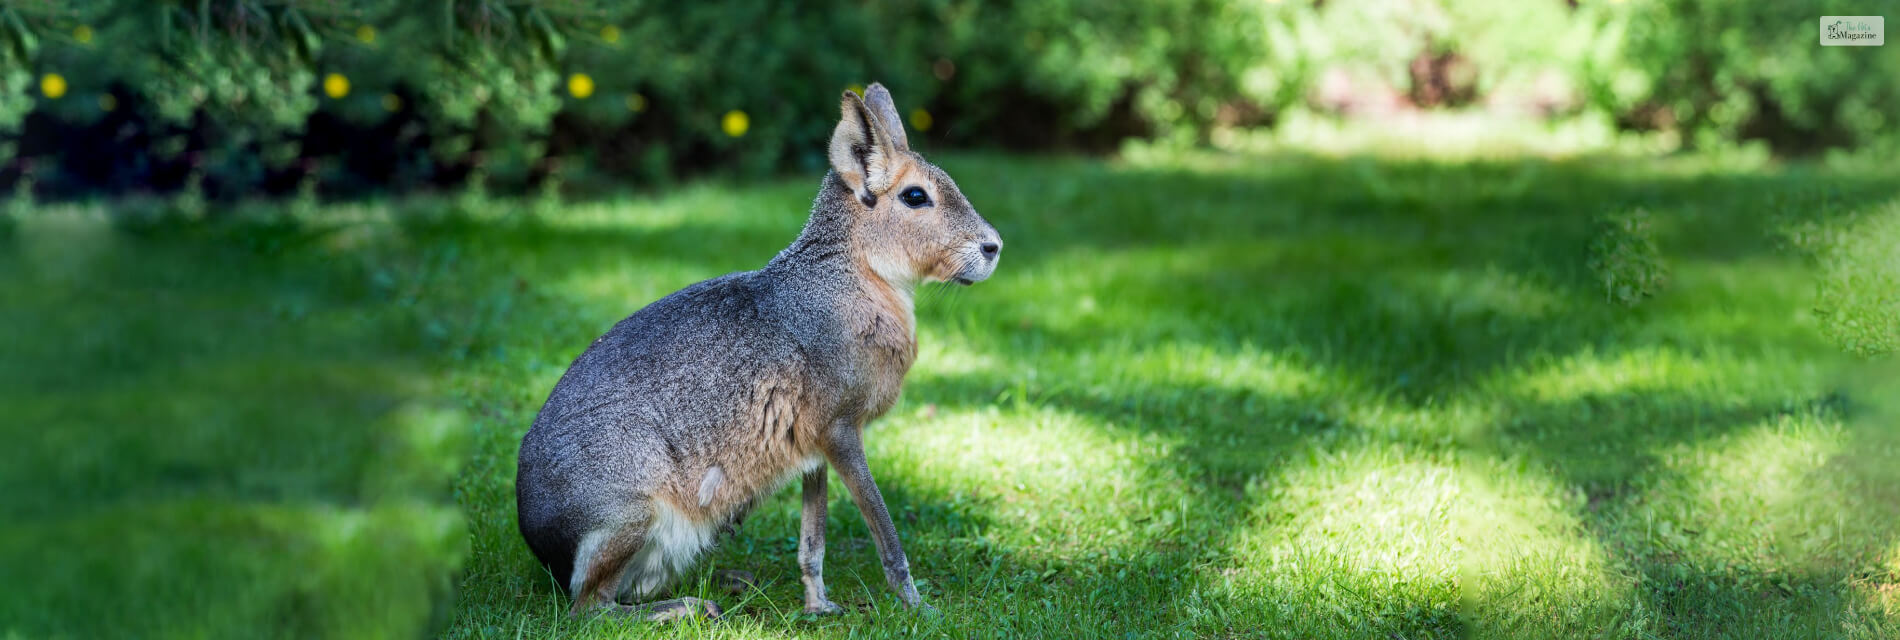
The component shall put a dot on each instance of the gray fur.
(669, 397)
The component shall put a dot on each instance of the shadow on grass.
(1236, 440)
(212, 432)
(261, 369)
(1417, 283)
(1418, 347)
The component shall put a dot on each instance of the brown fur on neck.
(883, 327)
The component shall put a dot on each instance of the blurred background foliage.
(230, 98)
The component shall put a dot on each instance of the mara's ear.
(879, 100)
(862, 151)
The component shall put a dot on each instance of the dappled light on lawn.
(1762, 501)
(1880, 592)
(1041, 473)
(1364, 320)
(1859, 294)
(1288, 394)
(1359, 537)
(946, 357)
(1468, 544)
(1438, 424)
(604, 285)
(1590, 373)
(1532, 567)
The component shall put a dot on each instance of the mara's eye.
(914, 197)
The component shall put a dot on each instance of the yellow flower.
(53, 85)
(610, 33)
(367, 34)
(392, 102)
(580, 85)
(856, 88)
(920, 119)
(336, 86)
(107, 102)
(735, 123)
(636, 103)
(82, 33)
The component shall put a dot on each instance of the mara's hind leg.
(609, 560)
(601, 560)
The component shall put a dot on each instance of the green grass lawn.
(1210, 395)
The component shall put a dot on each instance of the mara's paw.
(675, 609)
(823, 608)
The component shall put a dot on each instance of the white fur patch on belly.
(673, 542)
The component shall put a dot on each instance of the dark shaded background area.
(228, 99)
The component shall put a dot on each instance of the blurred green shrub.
(1718, 71)
(1625, 258)
(27, 27)
(237, 94)
(230, 96)
(1857, 296)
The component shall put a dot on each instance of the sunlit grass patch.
(1879, 589)
(1219, 402)
(1760, 500)
(1766, 527)
(1756, 304)
(762, 206)
(950, 357)
(1356, 538)
(1858, 292)
(1240, 367)
(1438, 424)
(1531, 567)
(1124, 365)
(1446, 136)
(1046, 475)
(1134, 292)
(1590, 373)
(612, 285)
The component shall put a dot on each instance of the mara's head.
(908, 218)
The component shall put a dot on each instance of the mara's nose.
(990, 249)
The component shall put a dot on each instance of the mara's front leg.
(847, 454)
(811, 544)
